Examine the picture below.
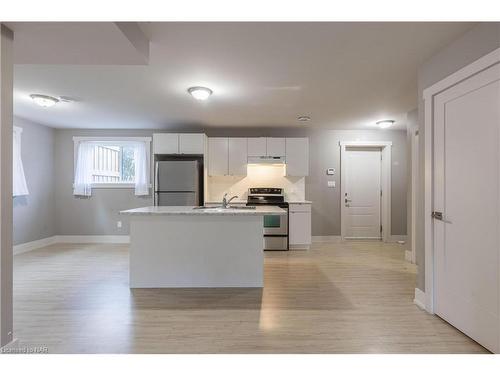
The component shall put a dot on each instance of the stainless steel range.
(275, 227)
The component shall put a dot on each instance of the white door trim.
(415, 180)
(385, 146)
(477, 66)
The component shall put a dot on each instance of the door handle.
(438, 215)
(347, 200)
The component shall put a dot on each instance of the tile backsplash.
(257, 176)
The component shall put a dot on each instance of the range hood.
(266, 160)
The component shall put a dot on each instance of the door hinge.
(381, 229)
(380, 192)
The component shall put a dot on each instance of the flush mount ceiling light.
(304, 118)
(384, 124)
(44, 100)
(200, 93)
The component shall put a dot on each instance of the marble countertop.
(188, 210)
(239, 201)
(234, 201)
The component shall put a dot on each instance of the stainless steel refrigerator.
(178, 183)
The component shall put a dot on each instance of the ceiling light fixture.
(304, 118)
(44, 100)
(200, 93)
(384, 124)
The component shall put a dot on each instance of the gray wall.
(34, 214)
(475, 43)
(98, 214)
(6, 90)
(324, 152)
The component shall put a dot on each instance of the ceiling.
(342, 75)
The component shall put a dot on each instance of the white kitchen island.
(183, 247)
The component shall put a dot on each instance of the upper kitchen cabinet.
(218, 156)
(191, 144)
(266, 146)
(275, 146)
(165, 143)
(257, 147)
(172, 143)
(237, 156)
(227, 156)
(297, 157)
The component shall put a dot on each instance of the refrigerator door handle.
(156, 175)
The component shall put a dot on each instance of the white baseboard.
(94, 239)
(29, 246)
(335, 239)
(408, 256)
(397, 238)
(32, 245)
(419, 299)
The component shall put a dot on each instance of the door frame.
(385, 147)
(415, 179)
(429, 93)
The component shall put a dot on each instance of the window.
(111, 162)
(19, 186)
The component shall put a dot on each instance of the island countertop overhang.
(191, 211)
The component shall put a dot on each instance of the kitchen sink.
(220, 208)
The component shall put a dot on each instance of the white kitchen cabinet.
(257, 146)
(165, 143)
(191, 144)
(275, 146)
(175, 143)
(297, 157)
(237, 156)
(218, 156)
(299, 230)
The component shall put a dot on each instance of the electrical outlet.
(118, 224)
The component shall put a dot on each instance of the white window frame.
(112, 185)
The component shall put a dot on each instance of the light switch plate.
(331, 184)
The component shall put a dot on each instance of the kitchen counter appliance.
(275, 227)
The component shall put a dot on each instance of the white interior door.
(466, 192)
(362, 193)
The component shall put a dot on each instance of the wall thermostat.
(330, 171)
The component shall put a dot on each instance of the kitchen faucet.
(225, 201)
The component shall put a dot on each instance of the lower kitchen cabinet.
(299, 231)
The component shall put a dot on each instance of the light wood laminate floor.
(335, 298)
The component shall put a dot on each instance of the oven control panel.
(274, 191)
